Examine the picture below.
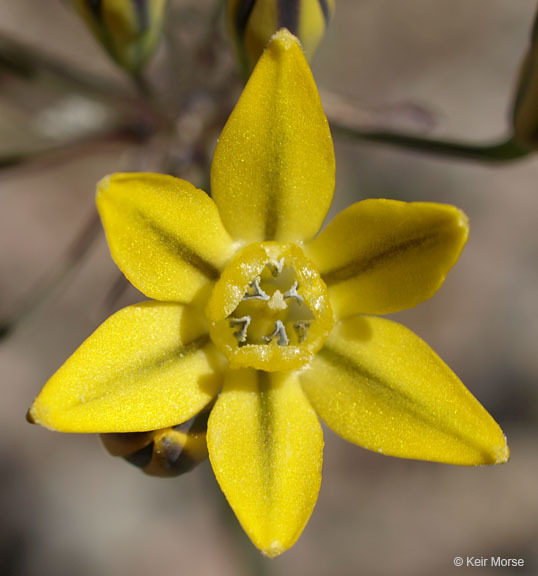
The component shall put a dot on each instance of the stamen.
(292, 293)
(254, 291)
(275, 266)
(301, 329)
(279, 331)
(241, 332)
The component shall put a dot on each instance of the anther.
(242, 327)
(301, 329)
(292, 293)
(275, 266)
(254, 291)
(279, 331)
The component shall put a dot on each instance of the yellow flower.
(129, 30)
(253, 22)
(255, 310)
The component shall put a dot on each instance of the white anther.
(275, 266)
(254, 291)
(279, 331)
(241, 333)
(292, 293)
(301, 329)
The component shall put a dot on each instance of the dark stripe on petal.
(325, 9)
(266, 422)
(271, 219)
(378, 388)
(96, 8)
(170, 357)
(173, 457)
(242, 16)
(177, 353)
(356, 267)
(288, 15)
(142, 14)
(374, 383)
(178, 248)
(141, 458)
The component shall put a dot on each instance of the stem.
(118, 133)
(55, 277)
(143, 87)
(149, 105)
(214, 20)
(504, 151)
(27, 62)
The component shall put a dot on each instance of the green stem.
(143, 87)
(214, 19)
(127, 133)
(27, 62)
(504, 151)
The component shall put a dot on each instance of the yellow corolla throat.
(270, 308)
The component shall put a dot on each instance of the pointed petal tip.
(501, 453)
(29, 418)
(135, 176)
(39, 415)
(104, 183)
(272, 483)
(273, 550)
(278, 122)
(495, 454)
(463, 222)
(284, 39)
(148, 366)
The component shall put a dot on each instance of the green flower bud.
(253, 22)
(128, 29)
(525, 114)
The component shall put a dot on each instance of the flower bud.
(165, 452)
(128, 29)
(525, 113)
(253, 22)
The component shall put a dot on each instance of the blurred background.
(445, 67)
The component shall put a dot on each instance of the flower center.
(270, 309)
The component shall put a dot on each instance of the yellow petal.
(165, 235)
(148, 366)
(266, 448)
(381, 256)
(380, 386)
(273, 170)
